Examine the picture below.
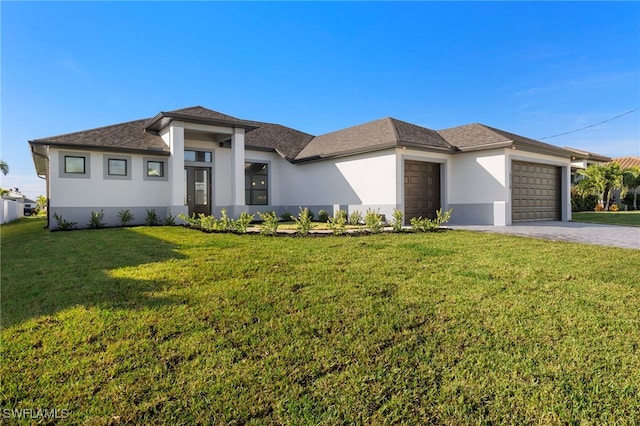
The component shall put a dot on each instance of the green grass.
(167, 325)
(608, 218)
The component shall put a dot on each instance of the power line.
(592, 125)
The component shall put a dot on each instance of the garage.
(535, 192)
(421, 189)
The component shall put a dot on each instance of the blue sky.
(535, 69)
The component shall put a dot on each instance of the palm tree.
(4, 167)
(613, 178)
(631, 181)
(593, 182)
(42, 202)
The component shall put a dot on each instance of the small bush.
(170, 220)
(152, 217)
(397, 220)
(303, 222)
(243, 222)
(225, 223)
(95, 220)
(338, 223)
(191, 220)
(207, 222)
(355, 218)
(599, 207)
(582, 203)
(125, 217)
(286, 217)
(614, 208)
(63, 224)
(269, 224)
(323, 216)
(423, 225)
(373, 221)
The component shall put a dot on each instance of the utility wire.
(592, 125)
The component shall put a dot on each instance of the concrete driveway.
(577, 232)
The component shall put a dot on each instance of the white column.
(237, 171)
(176, 169)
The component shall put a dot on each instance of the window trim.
(165, 168)
(128, 166)
(62, 156)
(268, 184)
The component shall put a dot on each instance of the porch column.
(237, 171)
(176, 169)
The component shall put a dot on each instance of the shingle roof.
(141, 136)
(626, 162)
(479, 136)
(118, 137)
(579, 153)
(384, 133)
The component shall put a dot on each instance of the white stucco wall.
(479, 177)
(99, 192)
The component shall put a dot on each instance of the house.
(195, 160)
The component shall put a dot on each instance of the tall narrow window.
(256, 185)
(74, 164)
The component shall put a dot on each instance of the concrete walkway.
(577, 232)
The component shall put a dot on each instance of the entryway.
(421, 189)
(198, 189)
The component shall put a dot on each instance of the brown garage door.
(535, 192)
(421, 189)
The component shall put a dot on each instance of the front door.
(198, 189)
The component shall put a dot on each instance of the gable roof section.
(372, 136)
(196, 114)
(626, 162)
(473, 137)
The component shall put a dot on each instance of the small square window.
(117, 167)
(74, 165)
(155, 168)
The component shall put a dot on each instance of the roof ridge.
(395, 128)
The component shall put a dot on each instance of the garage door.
(421, 189)
(535, 192)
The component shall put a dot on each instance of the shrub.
(170, 220)
(63, 224)
(599, 207)
(355, 218)
(191, 220)
(338, 223)
(423, 225)
(373, 221)
(614, 208)
(225, 223)
(442, 218)
(125, 216)
(323, 216)
(269, 224)
(303, 222)
(243, 222)
(95, 220)
(152, 217)
(397, 220)
(207, 222)
(286, 217)
(581, 203)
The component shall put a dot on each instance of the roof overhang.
(162, 120)
(370, 149)
(147, 151)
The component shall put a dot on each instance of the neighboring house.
(582, 159)
(624, 163)
(196, 160)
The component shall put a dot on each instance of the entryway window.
(256, 187)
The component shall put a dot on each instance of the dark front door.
(198, 189)
(421, 189)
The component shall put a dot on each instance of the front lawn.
(167, 325)
(608, 218)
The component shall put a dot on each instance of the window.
(74, 164)
(256, 184)
(117, 167)
(198, 156)
(155, 168)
